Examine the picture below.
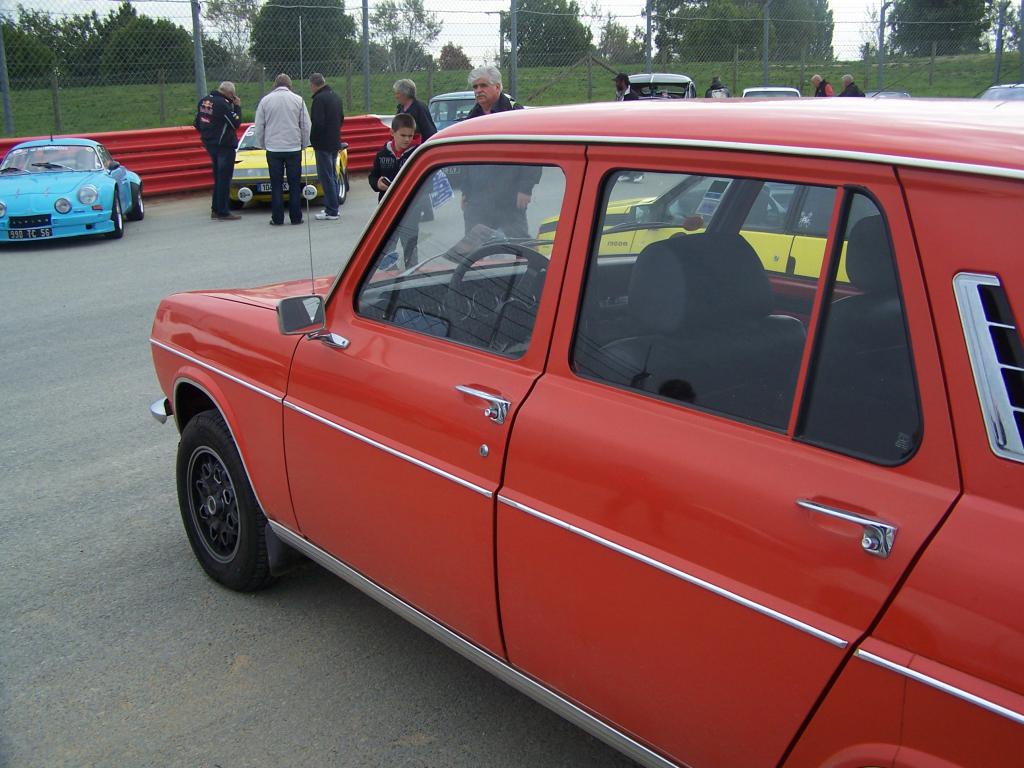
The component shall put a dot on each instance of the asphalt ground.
(115, 648)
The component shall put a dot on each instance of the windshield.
(771, 94)
(1004, 92)
(248, 138)
(447, 111)
(50, 158)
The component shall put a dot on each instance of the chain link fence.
(95, 65)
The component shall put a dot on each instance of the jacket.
(852, 90)
(326, 120)
(282, 122)
(387, 165)
(424, 122)
(824, 88)
(717, 90)
(496, 186)
(503, 104)
(217, 120)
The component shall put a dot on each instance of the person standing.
(717, 89)
(624, 90)
(325, 137)
(850, 88)
(405, 96)
(822, 87)
(218, 116)
(496, 195)
(282, 129)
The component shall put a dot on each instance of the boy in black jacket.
(392, 157)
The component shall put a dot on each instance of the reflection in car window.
(768, 214)
(468, 265)
(692, 316)
(862, 397)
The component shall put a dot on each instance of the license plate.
(265, 186)
(28, 234)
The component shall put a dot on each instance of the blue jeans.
(223, 161)
(280, 163)
(327, 172)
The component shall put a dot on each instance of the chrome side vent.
(997, 359)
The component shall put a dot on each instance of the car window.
(693, 317)
(815, 211)
(463, 261)
(248, 140)
(862, 397)
(768, 214)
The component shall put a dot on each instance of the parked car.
(64, 187)
(450, 108)
(662, 85)
(771, 92)
(887, 94)
(251, 179)
(1005, 92)
(720, 503)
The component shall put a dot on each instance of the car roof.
(955, 133)
(452, 96)
(58, 141)
(667, 78)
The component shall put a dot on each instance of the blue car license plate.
(264, 186)
(28, 234)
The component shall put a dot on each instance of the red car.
(729, 479)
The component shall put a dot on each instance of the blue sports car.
(53, 188)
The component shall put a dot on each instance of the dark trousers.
(222, 159)
(327, 172)
(279, 164)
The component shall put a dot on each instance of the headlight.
(63, 205)
(3, 209)
(87, 194)
(309, 170)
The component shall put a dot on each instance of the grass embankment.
(125, 107)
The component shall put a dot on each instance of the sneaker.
(324, 216)
(276, 223)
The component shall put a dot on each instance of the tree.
(615, 43)
(406, 29)
(549, 33)
(128, 55)
(955, 26)
(328, 37)
(708, 30)
(232, 21)
(29, 60)
(453, 57)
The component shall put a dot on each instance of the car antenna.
(308, 193)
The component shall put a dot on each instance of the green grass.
(125, 107)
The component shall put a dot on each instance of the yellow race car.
(251, 179)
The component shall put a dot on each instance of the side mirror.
(113, 165)
(641, 213)
(300, 314)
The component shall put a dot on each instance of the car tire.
(223, 520)
(138, 211)
(117, 218)
(343, 189)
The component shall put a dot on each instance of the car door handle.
(330, 339)
(877, 538)
(497, 406)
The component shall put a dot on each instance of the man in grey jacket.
(282, 129)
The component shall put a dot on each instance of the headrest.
(696, 280)
(869, 257)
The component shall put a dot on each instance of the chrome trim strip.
(952, 690)
(397, 454)
(996, 408)
(476, 654)
(764, 610)
(742, 146)
(214, 369)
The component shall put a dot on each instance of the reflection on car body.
(708, 469)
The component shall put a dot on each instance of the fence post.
(163, 97)
(348, 85)
(590, 78)
(430, 78)
(881, 43)
(931, 63)
(766, 13)
(1020, 39)
(513, 54)
(647, 37)
(803, 65)
(197, 51)
(1000, 22)
(735, 69)
(263, 77)
(366, 56)
(57, 127)
(5, 86)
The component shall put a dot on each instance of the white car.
(771, 92)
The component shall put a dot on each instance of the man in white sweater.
(282, 129)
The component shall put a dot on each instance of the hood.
(54, 183)
(267, 296)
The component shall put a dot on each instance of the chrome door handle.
(330, 339)
(877, 538)
(497, 407)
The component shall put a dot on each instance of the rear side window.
(698, 315)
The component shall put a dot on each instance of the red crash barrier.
(173, 159)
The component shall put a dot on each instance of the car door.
(396, 436)
(675, 551)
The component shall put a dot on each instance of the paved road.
(115, 649)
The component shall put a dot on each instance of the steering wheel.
(456, 297)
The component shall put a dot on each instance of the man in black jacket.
(408, 104)
(218, 116)
(325, 119)
(850, 88)
(496, 195)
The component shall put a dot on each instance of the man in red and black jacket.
(218, 116)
